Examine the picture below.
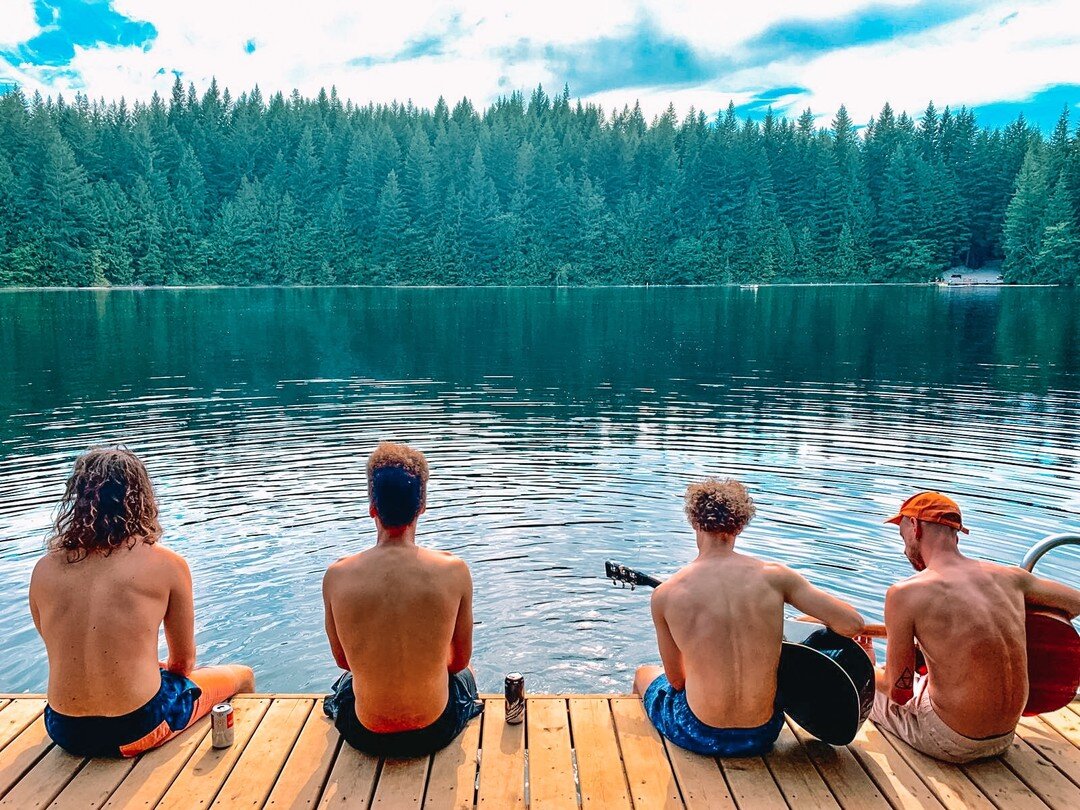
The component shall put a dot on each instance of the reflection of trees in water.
(568, 345)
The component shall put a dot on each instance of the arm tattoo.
(906, 679)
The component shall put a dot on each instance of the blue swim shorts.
(670, 713)
(462, 706)
(166, 714)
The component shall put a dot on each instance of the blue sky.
(997, 57)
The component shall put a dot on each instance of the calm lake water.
(561, 426)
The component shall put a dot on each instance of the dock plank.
(44, 781)
(1002, 786)
(600, 770)
(850, 784)
(1065, 721)
(202, 776)
(352, 780)
(22, 753)
(894, 777)
(452, 779)
(257, 769)
(551, 767)
(648, 771)
(93, 785)
(700, 780)
(156, 770)
(795, 775)
(751, 783)
(502, 759)
(1041, 777)
(401, 783)
(948, 783)
(16, 717)
(1048, 742)
(301, 781)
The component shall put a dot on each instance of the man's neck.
(715, 544)
(941, 552)
(396, 537)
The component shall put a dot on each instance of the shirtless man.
(99, 597)
(719, 625)
(399, 619)
(968, 618)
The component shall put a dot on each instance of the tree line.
(537, 190)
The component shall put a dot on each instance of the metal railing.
(1036, 552)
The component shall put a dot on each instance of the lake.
(561, 425)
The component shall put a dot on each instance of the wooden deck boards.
(573, 751)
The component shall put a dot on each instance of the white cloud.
(17, 23)
(975, 60)
(317, 44)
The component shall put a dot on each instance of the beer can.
(515, 698)
(221, 725)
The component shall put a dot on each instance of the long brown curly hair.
(108, 503)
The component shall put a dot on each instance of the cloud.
(816, 53)
(19, 22)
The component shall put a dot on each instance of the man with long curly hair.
(99, 597)
(719, 626)
(399, 620)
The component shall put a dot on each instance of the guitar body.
(826, 685)
(1053, 648)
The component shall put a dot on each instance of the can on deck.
(221, 725)
(515, 698)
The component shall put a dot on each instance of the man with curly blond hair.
(719, 626)
(99, 598)
(399, 620)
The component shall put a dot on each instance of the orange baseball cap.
(933, 507)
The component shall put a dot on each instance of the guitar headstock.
(628, 576)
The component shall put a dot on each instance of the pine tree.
(1023, 228)
(1058, 259)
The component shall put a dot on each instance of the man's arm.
(670, 653)
(461, 643)
(1039, 592)
(33, 604)
(898, 679)
(331, 628)
(180, 620)
(838, 615)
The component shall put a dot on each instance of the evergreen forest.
(212, 189)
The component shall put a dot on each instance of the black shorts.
(462, 706)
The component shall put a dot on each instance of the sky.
(996, 57)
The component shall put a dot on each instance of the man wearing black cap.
(968, 618)
(399, 620)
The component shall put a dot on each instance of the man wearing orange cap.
(968, 618)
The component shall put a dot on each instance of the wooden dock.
(587, 751)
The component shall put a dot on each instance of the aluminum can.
(515, 698)
(221, 725)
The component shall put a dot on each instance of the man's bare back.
(100, 618)
(968, 617)
(725, 614)
(403, 618)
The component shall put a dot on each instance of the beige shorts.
(917, 724)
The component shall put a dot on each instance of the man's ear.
(371, 510)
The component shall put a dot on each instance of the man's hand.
(867, 645)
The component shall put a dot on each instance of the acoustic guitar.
(825, 681)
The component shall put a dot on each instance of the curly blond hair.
(715, 505)
(108, 503)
